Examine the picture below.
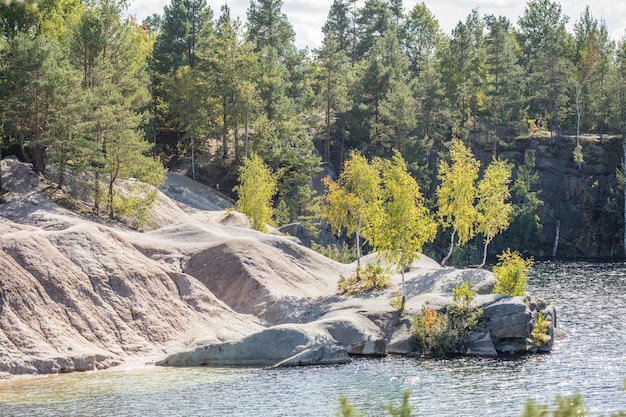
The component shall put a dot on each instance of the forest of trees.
(92, 97)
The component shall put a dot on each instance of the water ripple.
(591, 360)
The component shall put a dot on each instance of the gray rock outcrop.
(198, 286)
(282, 345)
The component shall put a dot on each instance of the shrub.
(340, 253)
(435, 333)
(510, 272)
(368, 278)
(443, 334)
(539, 336)
(396, 302)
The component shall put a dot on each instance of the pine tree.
(338, 26)
(31, 85)
(230, 60)
(112, 57)
(621, 90)
(463, 71)
(373, 21)
(505, 79)
(179, 35)
(593, 52)
(334, 80)
(546, 47)
(269, 27)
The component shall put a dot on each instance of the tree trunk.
(111, 199)
(403, 292)
(224, 129)
(96, 196)
(484, 254)
(624, 170)
(1, 192)
(556, 238)
(193, 158)
(443, 262)
(246, 130)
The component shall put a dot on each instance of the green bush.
(397, 302)
(340, 253)
(510, 272)
(539, 336)
(441, 334)
(368, 278)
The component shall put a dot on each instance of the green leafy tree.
(256, 188)
(456, 195)
(404, 224)
(51, 18)
(495, 211)
(349, 204)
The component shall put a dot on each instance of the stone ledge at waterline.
(78, 295)
(340, 327)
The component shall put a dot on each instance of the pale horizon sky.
(308, 16)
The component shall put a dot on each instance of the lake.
(591, 308)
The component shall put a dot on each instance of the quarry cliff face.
(585, 202)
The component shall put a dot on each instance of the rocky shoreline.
(198, 287)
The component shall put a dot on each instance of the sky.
(308, 16)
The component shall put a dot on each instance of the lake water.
(591, 303)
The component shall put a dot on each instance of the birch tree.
(348, 204)
(495, 210)
(456, 195)
(256, 188)
(404, 224)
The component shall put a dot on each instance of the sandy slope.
(76, 295)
